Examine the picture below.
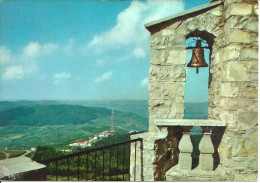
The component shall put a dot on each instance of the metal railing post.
(95, 165)
(123, 162)
(116, 162)
(56, 171)
(103, 165)
(78, 168)
(87, 168)
(68, 169)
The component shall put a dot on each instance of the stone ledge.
(188, 122)
(177, 174)
(150, 135)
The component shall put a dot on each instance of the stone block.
(180, 107)
(251, 144)
(240, 9)
(218, 11)
(163, 108)
(250, 93)
(256, 9)
(225, 152)
(158, 56)
(169, 73)
(235, 22)
(231, 52)
(252, 66)
(239, 36)
(180, 89)
(166, 32)
(252, 26)
(237, 163)
(249, 54)
(176, 57)
(176, 41)
(239, 148)
(248, 118)
(236, 71)
(245, 177)
(169, 90)
(252, 163)
(155, 90)
(252, 76)
(229, 89)
(231, 104)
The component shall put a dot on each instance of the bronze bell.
(197, 59)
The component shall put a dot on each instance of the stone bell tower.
(228, 148)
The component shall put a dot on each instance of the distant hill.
(40, 115)
(139, 107)
(35, 124)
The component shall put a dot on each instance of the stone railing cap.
(188, 122)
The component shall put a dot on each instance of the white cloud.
(69, 46)
(20, 65)
(58, 77)
(62, 75)
(5, 56)
(130, 30)
(144, 82)
(14, 72)
(34, 49)
(102, 61)
(48, 49)
(104, 77)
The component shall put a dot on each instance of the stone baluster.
(206, 151)
(186, 148)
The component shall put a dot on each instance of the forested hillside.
(23, 126)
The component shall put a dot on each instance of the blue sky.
(82, 50)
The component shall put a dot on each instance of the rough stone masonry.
(231, 29)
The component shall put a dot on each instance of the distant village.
(104, 134)
(87, 143)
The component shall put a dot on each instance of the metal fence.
(108, 163)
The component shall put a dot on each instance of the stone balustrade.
(185, 146)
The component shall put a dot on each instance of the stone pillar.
(206, 151)
(167, 76)
(186, 148)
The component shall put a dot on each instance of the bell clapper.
(197, 70)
